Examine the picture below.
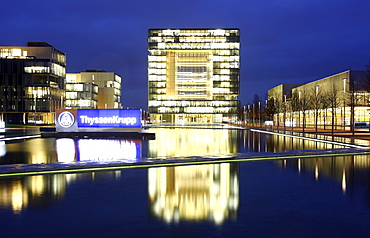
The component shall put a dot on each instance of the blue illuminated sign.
(109, 118)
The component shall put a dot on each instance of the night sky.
(282, 41)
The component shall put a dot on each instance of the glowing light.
(107, 150)
(2, 149)
(37, 185)
(269, 123)
(20, 138)
(19, 198)
(344, 184)
(37, 69)
(65, 149)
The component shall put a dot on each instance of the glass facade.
(32, 83)
(81, 95)
(94, 88)
(193, 75)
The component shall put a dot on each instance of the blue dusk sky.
(282, 41)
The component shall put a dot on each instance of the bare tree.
(270, 109)
(334, 102)
(279, 110)
(316, 104)
(240, 113)
(256, 107)
(295, 104)
(325, 102)
(276, 106)
(365, 85)
(304, 105)
(353, 101)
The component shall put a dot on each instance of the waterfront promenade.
(363, 134)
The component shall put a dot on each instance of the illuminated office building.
(94, 88)
(32, 82)
(81, 95)
(341, 98)
(193, 75)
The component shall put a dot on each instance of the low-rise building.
(340, 99)
(94, 88)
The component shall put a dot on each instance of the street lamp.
(316, 107)
(284, 112)
(266, 117)
(249, 113)
(259, 113)
(344, 103)
(244, 116)
(35, 100)
(254, 109)
(299, 107)
(275, 113)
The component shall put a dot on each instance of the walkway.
(363, 134)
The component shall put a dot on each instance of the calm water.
(298, 197)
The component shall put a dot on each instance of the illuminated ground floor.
(191, 118)
(28, 118)
(339, 117)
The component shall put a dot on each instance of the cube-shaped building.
(193, 75)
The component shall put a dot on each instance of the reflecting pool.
(168, 143)
(312, 197)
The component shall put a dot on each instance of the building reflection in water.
(195, 142)
(19, 193)
(277, 143)
(101, 150)
(35, 151)
(194, 193)
(341, 169)
(32, 191)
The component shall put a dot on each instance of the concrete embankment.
(41, 169)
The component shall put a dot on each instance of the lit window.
(71, 78)
(16, 52)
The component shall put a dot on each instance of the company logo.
(108, 120)
(66, 119)
(112, 118)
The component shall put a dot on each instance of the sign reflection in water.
(194, 193)
(2, 148)
(102, 150)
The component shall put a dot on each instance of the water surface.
(299, 197)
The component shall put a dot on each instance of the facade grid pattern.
(193, 75)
